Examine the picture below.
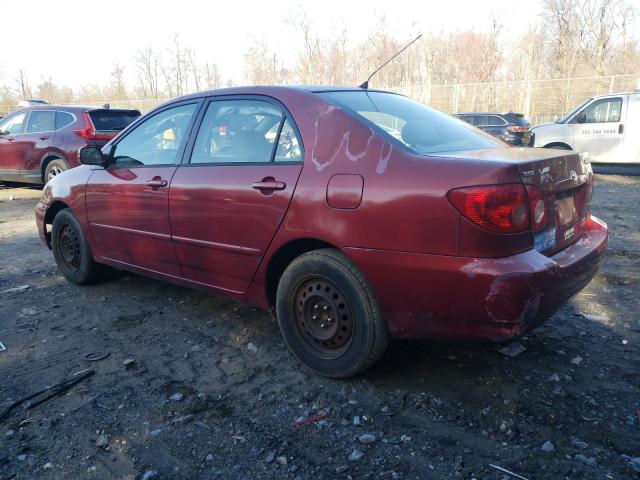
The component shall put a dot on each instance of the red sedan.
(359, 215)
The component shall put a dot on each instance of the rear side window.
(242, 131)
(420, 128)
(41, 121)
(64, 119)
(112, 120)
(495, 120)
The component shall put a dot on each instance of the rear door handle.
(621, 128)
(43, 137)
(11, 139)
(156, 182)
(269, 185)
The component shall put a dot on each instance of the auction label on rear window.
(545, 240)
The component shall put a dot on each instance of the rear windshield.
(422, 129)
(114, 120)
(517, 119)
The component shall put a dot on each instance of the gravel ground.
(198, 386)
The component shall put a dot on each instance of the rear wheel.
(71, 250)
(54, 168)
(329, 314)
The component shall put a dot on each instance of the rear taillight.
(517, 129)
(90, 132)
(508, 208)
(536, 208)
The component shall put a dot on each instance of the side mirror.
(582, 117)
(92, 156)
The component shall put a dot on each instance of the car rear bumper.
(433, 296)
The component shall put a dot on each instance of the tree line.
(571, 38)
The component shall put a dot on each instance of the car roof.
(491, 113)
(77, 108)
(274, 90)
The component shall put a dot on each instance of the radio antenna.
(365, 84)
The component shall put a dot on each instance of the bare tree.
(148, 71)
(24, 89)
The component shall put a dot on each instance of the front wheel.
(329, 314)
(71, 250)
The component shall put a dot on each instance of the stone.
(252, 348)
(355, 455)
(102, 441)
(513, 349)
(176, 397)
(547, 447)
(367, 438)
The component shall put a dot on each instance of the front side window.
(41, 121)
(157, 139)
(606, 110)
(12, 124)
(239, 131)
(420, 128)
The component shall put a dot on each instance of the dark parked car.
(358, 215)
(40, 142)
(508, 127)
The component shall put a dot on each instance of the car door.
(228, 199)
(127, 202)
(10, 130)
(36, 139)
(599, 128)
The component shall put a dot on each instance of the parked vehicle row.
(358, 215)
(509, 127)
(41, 141)
(607, 127)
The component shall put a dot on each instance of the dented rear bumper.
(435, 296)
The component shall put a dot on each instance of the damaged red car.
(358, 215)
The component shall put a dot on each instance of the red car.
(358, 215)
(42, 141)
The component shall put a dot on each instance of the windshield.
(422, 129)
(566, 118)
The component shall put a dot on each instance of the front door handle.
(11, 139)
(43, 137)
(621, 128)
(268, 184)
(156, 182)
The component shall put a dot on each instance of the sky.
(77, 42)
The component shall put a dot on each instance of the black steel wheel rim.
(323, 316)
(69, 248)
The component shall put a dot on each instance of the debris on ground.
(513, 349)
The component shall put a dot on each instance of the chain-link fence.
(539, 100)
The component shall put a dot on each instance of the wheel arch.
(47, 159)
(55, 208)
(281, 259)
(561, 145)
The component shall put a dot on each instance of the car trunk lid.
(565, 181)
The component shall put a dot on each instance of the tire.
(329, 314)
(71, 250)
(54, 168)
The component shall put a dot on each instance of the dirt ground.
(184, 393)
